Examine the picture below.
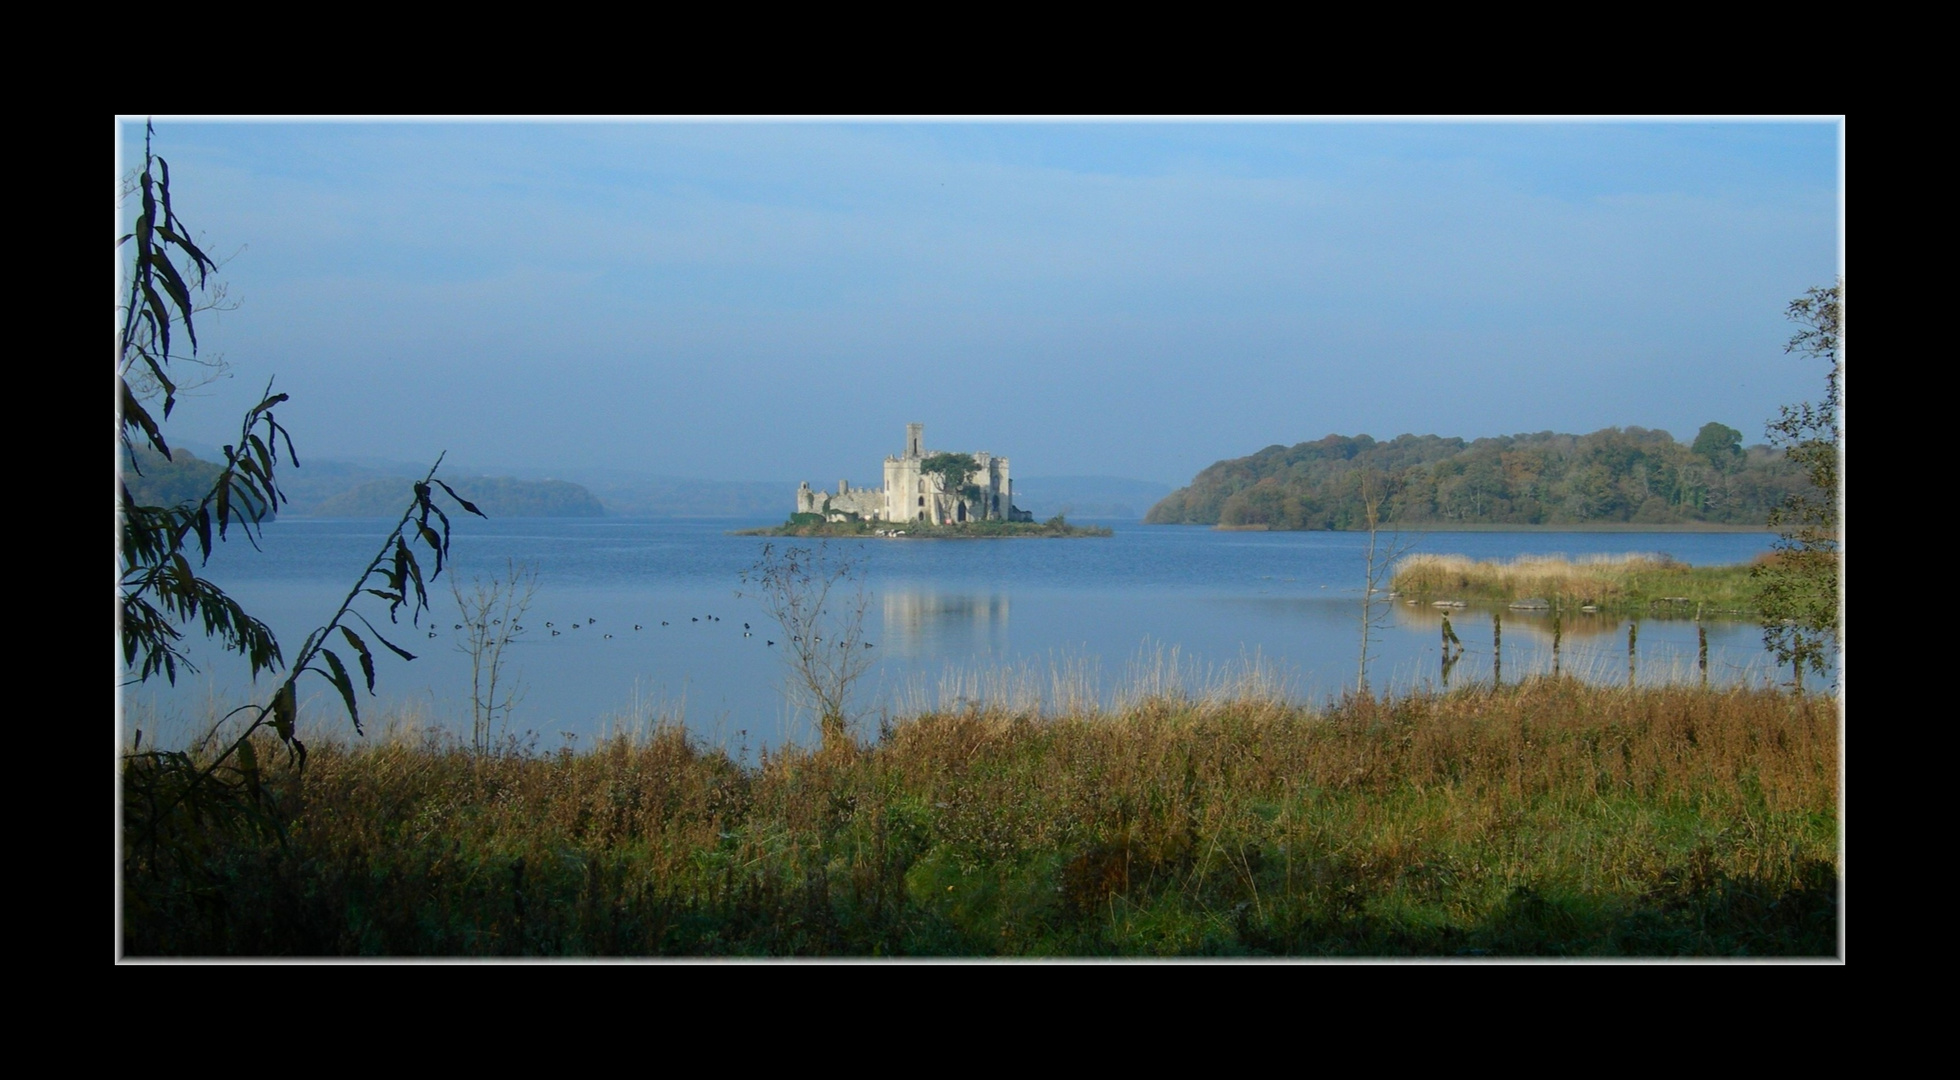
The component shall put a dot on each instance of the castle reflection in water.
(918, 622)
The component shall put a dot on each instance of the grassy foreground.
(1623, 584)
(1550, 819)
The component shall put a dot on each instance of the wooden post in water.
(1452, 649)
(1633, 637)
(1701, 631)
(1446, 650)
(1497, 647)
(1555, 641)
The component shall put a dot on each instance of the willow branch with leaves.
(159, 589)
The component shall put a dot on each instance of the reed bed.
(1639, 583)
(1070, 685)
(1548, 818)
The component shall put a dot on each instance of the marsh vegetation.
(1546, 819)
(1634, 584)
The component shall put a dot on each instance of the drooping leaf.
(405, 559)
(180, 294)
(162, 315)
(285, 711)
(223, 498)
(361, 649)
(284, 434)
(392, 647)
(204, 531)
(134, 412)
(399, 578)
(264, 405)
(248, 764)
(346, 687)
(464, 503)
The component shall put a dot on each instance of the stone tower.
(911, 495)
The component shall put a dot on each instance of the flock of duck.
(556, 630)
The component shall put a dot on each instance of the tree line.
(1631, 475)
(499, 496)
(183, 478)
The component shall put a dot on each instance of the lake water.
(1012, 620)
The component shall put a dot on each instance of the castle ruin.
(912, 494)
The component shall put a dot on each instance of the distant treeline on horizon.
(497, 496)
(185, 478)
(1631, 475)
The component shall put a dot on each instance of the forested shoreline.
(1616, 475)
(499, 496)
(182, 479)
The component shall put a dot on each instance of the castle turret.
(910, 494)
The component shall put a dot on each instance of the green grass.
(1551, 819)
(1622, 584)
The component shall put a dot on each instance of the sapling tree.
(1379, 562)
(816, 596)
(491, 610)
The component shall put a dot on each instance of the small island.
(813, 525)
(1632, 584)
(928, 495)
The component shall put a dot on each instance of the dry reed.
(1547, 817)
(1615, 582)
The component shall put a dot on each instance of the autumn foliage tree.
(1803, 614)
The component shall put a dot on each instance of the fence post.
(1633, 637)
(1555, 641)
(1452, 649)
(1701, 631)
(1497, 647)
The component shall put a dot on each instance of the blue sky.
(777, 300)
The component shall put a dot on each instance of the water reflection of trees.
(920, 620)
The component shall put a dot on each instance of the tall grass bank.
(1546, 819)
(1624, 584)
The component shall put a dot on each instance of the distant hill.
(180, 479)
(325, 488)
(498, 497)
(1631, 475)
(631, 495)
(1087, 496)
(315, 482)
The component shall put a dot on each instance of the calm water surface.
(948, 620)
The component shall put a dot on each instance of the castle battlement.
(912, 494)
